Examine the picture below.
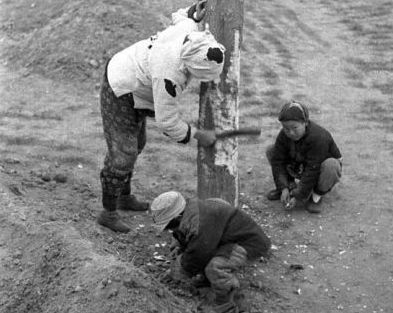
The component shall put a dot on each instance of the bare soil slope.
(336, 56)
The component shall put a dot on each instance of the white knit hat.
(195, 54)
(166, 207)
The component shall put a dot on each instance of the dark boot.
(227, 307)
(314, 207)
(274, 194)
(130, 203)
(240, 300)
(109, 217)
(224, 303)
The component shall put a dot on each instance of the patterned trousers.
(125, 135)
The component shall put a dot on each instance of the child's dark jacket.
(210, 228)
(306, 154)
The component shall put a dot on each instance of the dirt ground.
(334, 55)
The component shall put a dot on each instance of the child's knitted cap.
(293, 111)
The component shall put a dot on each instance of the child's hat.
(293, 111)
(166, 207)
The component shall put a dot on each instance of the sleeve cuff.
(187, 137)
(193, 132)
(191, 13)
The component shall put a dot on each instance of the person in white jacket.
(146, 79)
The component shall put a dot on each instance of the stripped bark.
(219, 106)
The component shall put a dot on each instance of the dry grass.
(385, 88)
(24, 115)
(378, 111)
(19, 140)
(73, 160)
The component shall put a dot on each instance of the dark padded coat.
(210, 228)
(305, 156)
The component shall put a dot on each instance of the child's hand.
(290, 204)
(298, 204)
(176, 271)
(174, 252)
(285, 197)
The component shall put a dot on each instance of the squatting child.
(306, 162)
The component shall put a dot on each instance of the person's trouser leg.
(122, 127)
(221, 272)
(329, 176)
(126, 201)
(275, 194)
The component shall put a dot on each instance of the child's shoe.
(316, 198)
(314, 205)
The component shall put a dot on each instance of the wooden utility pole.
(219, 105)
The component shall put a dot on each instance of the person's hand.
(290, 204)
(206, 138)
(285, 196)
(174, 252)
(165, 277)
(200, 10)
(297, 204)
(176, 271)
(174, 249)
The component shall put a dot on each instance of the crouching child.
(215, 240)
(303, 151)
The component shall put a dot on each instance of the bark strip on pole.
(219, 106)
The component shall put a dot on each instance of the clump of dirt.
(55, 258)
(51, 268)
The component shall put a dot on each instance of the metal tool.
(245, 131)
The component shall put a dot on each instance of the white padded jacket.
(147, 66)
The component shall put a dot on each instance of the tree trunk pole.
(219, 106)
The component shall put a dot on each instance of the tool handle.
(245, 131)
